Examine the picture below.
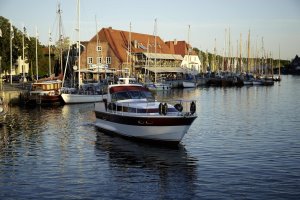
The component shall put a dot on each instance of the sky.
(273, 24)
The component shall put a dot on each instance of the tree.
(5, 44)
(17, 48)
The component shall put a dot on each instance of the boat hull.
(81, 98)
(189, 84)
(169, 129)
(38, 99)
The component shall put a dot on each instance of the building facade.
(132, 52)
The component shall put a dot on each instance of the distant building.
(191, 59)
(132, 52)
(20, 67)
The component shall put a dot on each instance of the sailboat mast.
(36, 55)
(11, 37)
(279, 62)
(97, 50)
(23, 51)
(240, 63)
(248, 56)
(188, 47)
(229, 52)
(79, 47)
(49, 48)
(59, 11)
(225, 53)
(129, 46)
(147, 64)
(155, 32)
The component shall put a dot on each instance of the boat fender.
(111, 106)
(105, 103)
(178, 107)
(193, 107)
(164, 108)
(160, 108)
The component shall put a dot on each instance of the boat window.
(122, 95)
(135, 94)
(113, 97)
(148, 95)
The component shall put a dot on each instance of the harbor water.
(245, 144)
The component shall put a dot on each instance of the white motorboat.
(158, 86)
(189, 84)
(81, 98)
(130, 110)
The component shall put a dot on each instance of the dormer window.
(98, 48)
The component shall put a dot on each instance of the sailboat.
(157, 85)
(44, 91)
(81, 94)
(278, 78)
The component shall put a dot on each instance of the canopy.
(163, 56)
(166, 69)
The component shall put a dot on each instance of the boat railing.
(168, 107)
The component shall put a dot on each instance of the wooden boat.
(130, 110)
(44, 93)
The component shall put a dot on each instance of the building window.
(108, 60)
(90, 60)
(98, 48)
(99, 60)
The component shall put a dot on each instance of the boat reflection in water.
(167, 170)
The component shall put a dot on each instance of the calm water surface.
(245, 144)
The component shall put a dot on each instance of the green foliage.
(17, 48)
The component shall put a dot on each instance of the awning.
(163, 56)
(166, 69)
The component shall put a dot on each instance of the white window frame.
(99, 60)
(108, 60)
(89, 60)
(99, 48)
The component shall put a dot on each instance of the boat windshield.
(134, 94)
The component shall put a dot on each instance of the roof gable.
(118, 41)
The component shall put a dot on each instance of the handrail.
(120, 107)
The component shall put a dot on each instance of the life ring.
(193, 107)
(178, 107)
(105, 104)
(111, 106)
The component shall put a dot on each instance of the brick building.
(112, 48)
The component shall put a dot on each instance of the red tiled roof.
(118, 42)
(179, 47)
